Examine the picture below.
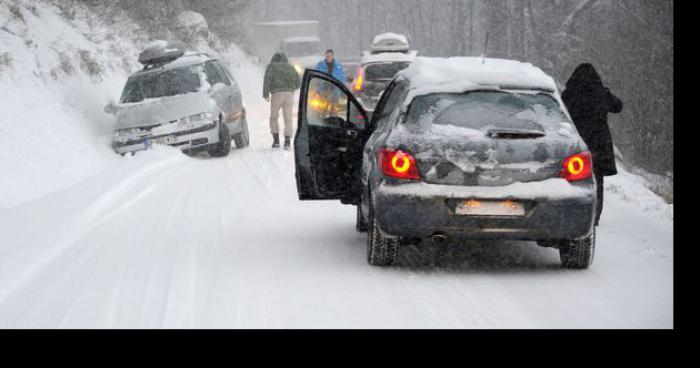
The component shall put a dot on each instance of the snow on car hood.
(163, 110)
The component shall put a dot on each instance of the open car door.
(331, 132)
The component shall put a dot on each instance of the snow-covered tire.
(577, 254)
(242, 139)
(381, 250)
(360, 222)
(223, 148)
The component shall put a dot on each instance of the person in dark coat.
(589, 103)
(279, 84)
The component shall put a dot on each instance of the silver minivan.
(183, 99)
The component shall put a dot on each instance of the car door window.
(223, 73)
(390, 110)
(328, 106)
(211, 73)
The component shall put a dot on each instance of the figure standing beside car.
(281, 80)
(589, 103)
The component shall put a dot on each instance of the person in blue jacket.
(331, 66)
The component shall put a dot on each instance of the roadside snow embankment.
(58, 69)
(57, 75)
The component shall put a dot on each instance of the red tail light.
(398, 164)
(360, 80)
(577, 167)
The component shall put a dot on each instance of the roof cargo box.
(390, 42)
(162, 51)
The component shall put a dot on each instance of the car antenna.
(486, 46)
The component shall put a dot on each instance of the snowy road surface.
(165, 240)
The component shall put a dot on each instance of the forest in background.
(629, 41)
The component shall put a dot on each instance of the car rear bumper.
(190, 140)
(555, 209)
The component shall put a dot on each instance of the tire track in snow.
(72, 247)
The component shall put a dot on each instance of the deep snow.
(163, 240)
(91, 239)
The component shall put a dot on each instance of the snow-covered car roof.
(460, 74)
(368, 58)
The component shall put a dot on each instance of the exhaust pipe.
(438, 238)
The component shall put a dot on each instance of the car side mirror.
(111, 108)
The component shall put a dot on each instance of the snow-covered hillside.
(58, 70)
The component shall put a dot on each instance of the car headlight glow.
(299, 68)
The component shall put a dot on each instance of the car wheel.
(242, 139)
(577, 254)
(360, 222)
(381, 250)
(223, 148)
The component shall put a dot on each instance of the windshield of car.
(161, 84)
(384, 71)
(481, 109)
(295, 49)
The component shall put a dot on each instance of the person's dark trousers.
(600, 190)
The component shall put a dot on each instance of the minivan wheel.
(223, 148)
(242, 139)
(360, 222)
(381, 250)
(577, 254)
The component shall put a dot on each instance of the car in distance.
(389, 54)
(183, 99)
(459, 148)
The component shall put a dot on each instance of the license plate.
(170, 139)
(490, 208)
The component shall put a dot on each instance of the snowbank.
(62, 72)
(57, 72)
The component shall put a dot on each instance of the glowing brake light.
(577, 167)
(398, 164)
(360, 80)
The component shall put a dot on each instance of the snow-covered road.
(91, 239)
(164, 240)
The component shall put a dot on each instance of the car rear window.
(481, 109)
(162, 84)
(384, 71)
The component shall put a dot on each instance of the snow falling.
(160, 239)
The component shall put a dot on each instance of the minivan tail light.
(360, 80)
(398, 164)
(577, 167)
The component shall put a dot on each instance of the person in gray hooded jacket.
(281, 80)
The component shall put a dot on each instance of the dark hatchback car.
(459, 148)
(375, 73)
